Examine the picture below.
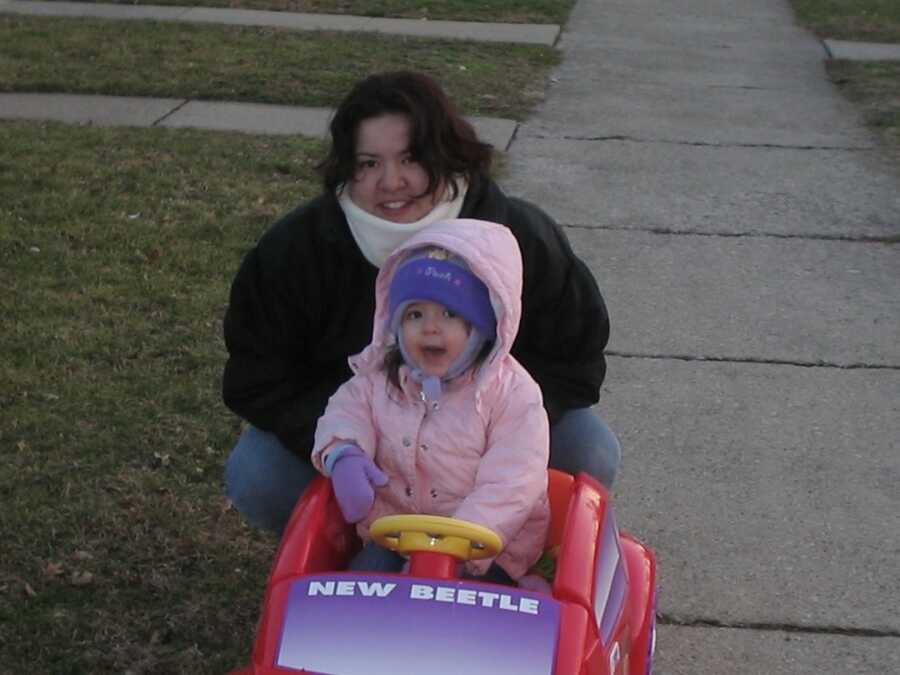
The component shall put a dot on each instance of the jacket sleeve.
(271, 378)
(565, 324)
(512, 474)
(348, 417)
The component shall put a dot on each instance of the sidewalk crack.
(671, 620)
(707, 144)
(754, 360)
(668, 231)
(512, 138)
(171, 112)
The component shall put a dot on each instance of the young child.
(439, 418)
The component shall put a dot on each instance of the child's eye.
(450, 314)
(413, 314)
(365, 164)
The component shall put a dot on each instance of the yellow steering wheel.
(438, 534)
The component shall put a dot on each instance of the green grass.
(863, 20)
(257, 64)
(506, 11)
(116, 250)
(874, 86)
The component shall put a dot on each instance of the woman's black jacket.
(304, 297)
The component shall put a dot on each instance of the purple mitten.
(352, 477)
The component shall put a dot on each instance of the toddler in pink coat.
(439, 418)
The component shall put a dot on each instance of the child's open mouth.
(433, 352)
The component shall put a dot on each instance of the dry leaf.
(53, 569)
(82, 555)
(81, 578)
(29, 591)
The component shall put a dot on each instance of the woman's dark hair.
(443, 142)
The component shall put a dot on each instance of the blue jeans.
(375, 558)
(264, 480)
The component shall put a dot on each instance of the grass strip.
(117, 247)
(96, 56)
(860, 20)
(874, 86)
(503, 11)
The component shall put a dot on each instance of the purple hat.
(433, 276)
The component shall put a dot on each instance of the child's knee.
(375, 558)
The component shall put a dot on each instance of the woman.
(302, 302)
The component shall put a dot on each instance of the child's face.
(433, 335)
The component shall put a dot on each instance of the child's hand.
(352, 478)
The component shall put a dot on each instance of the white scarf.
(377, 238)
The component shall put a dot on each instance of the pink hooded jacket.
(482, 454)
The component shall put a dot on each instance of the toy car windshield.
(384, 625)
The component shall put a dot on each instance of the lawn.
(269, 65)
(117, 247)
(874, 86)
(865, 20)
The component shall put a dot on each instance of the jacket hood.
(493, 255)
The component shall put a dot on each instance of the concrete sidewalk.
(256, 118)
(540, 34)
(862, 51)
(744, 229)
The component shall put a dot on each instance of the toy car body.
(600, 619)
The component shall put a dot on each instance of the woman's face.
(388, 182)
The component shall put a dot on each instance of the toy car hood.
(340, 624)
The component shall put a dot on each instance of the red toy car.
(600, 619)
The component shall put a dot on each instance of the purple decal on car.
(384, 625)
